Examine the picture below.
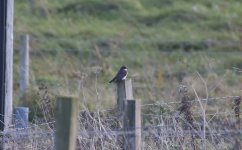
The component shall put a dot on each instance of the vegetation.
(184, 58)
(77, 46)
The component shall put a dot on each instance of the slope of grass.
(161, 41)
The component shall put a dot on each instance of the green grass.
(146, 20)
(161, 41)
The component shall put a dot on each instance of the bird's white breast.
(125, 76)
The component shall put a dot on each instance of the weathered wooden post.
(132, 115)
(66, 123)
(24, 68)
(121, 95)
(236, 107)
(6, 62)
(124, 92)
(132, 125)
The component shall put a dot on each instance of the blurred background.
(77, 46)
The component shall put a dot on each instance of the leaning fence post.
(132, 125)
(236, 107)
(124, 91)
(66, 123)
(24, 67)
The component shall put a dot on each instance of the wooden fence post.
(236, 107)
(124, 92)
(24, 67)
(132, 125)
(66, 123)
(132, 115)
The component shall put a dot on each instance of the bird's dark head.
(123, 68)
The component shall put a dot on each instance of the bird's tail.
(111, 80)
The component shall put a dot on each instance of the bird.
(121, 75)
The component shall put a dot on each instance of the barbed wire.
(160, 131)
(117, 132)
(143, 114)
(92, 131)
(163, 130)
(165, 103)
(194, 115)
(192, 101)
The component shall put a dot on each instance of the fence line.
(172, 102)
(110, 132)
(194, 115)
(129, 130)
(155, 115)
(192, 101)
(118, 132)
(113, 130)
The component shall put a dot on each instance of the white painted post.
(6, 66)
(24, 67)
(9, 65)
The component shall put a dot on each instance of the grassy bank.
(77, 46)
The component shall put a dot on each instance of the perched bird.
(121, 75)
